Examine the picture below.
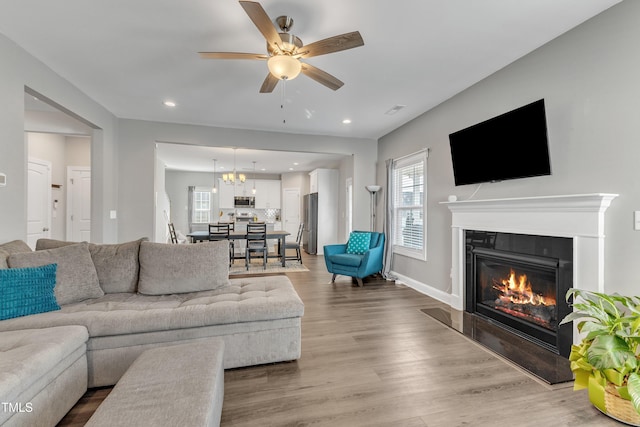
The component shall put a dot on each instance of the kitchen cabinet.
(226, 193)
(267, 193)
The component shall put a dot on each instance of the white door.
(291, 211)
(78, 204)
(38, 200)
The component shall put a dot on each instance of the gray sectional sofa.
(138, 295)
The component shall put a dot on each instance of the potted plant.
(606, 361)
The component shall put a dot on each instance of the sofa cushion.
(25, 291)
(117, 264)
(15, 247)
(76, 277)
(3, 259)
(44, 244)
(27, 356)
(359, 242)
(174, 269)
(247, 299)
(352, 260)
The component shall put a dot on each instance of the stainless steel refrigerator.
(310, 231)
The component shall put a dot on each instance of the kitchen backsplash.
(268, 215)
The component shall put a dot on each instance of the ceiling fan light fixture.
(284, 67)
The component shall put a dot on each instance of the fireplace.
(519, 282)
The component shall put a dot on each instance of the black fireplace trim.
(558, 342)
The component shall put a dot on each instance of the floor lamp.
(373, 189)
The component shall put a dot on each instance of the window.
(409, 213)
(201, 206)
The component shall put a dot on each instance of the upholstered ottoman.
(179, 385)
(43, 373)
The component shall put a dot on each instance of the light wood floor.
(370, 357)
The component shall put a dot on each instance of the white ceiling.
(130, 56)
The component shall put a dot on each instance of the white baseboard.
(423, 288)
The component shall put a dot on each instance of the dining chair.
(295, 245)
(172, 233)
(256, 243)
(221, 232)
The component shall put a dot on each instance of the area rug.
(255, 267)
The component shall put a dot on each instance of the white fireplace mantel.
(577, 216)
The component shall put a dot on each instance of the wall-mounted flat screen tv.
(512, 145)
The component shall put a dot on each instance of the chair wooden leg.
(333, 278)
(359, 280)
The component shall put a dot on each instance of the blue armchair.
(356, 265)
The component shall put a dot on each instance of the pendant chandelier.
(230, 178)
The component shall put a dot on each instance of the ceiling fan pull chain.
(282, 99)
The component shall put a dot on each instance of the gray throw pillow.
(173, 269)
(117, 265)
(76, 277)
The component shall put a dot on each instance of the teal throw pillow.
(25, 291)
(359, 242)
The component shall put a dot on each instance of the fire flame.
(519, 291)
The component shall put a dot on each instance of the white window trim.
(420, 156)
(201, 190)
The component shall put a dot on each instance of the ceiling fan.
(285, 50)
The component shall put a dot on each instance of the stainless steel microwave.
(244, 202)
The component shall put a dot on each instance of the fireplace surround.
(577, 219)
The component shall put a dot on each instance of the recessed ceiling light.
(169, 104)
(295, 163)
(346, 121)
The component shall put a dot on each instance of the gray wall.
(590, 80)
(137, 140)
(20, 70)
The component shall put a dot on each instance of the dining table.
(280, 235)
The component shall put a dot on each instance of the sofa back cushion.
(76, 277)
(117, 265)
(15, 247)
(25, 291)
(3, 259)
(173, 269)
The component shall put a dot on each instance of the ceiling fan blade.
(321, 77)
(269, 84)
(332, 44)
(232, 55)
(262, 21)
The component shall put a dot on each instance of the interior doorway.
(61, 140)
